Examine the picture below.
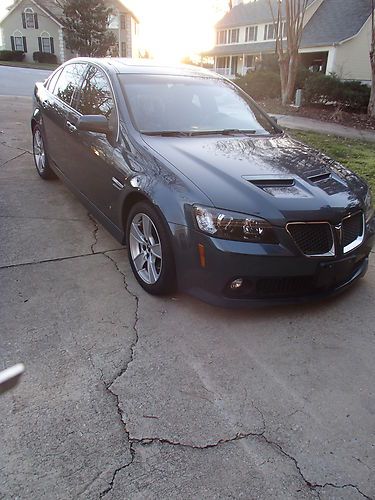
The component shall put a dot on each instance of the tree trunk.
(292, 77)
(283, 64)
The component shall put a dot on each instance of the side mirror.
(94, 123)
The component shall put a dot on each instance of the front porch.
(233, 66)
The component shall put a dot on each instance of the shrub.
(45, 57)
(324, 89)
(260, 84)
(11, 55)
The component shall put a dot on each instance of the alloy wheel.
(39, 152)
(145, 248)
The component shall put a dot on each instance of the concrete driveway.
(126, 395)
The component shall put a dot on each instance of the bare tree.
(288, 17)
(371, 106)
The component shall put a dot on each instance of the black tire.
(155, 275)
(40, 155)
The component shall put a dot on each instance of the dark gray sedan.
(207, 192)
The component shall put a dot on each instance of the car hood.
(275, 177)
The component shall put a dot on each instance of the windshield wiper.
(192, 133)
(226, 131)
(168, 133)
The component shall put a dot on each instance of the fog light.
(236, 284)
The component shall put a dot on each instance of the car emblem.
(338, 228)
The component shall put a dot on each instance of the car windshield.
(186, 105)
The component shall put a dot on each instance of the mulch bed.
(324, 113)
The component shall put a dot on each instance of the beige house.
(336, 38)
(35, 26)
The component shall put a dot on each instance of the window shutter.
(36, 21)
(40, 43)
(24, 44)
(24, 20)
(12, 42)
(52, 46)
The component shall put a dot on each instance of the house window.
(234, 35)
(29, 18)
(123, 49)
(251, 34)
(46, 44)
(122, 21)
(222, 37)
(18, 43)
(270, 31)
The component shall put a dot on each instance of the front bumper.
(271, 273)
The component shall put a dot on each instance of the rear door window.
(69, 82)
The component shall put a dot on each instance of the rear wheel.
(150, 250)
(40, 156)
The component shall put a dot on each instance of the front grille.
(352, 231)
(312, 238)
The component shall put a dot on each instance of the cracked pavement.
(127, 395)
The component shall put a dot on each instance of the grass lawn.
(358, 156)
(35, 65)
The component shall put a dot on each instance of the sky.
(172, 29)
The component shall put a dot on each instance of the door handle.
(70, 126)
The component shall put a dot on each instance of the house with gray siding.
(35, 26)
(336, 38)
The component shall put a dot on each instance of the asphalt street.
(129, 396)
(20, 81)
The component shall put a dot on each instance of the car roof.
(146, 66)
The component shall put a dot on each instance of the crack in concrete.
(313, 486)
(57, 259)
(237, 437)
(108, 386)
(94, 233)
(16, 148)
(22, 217)
(14, 158)
(136, 319)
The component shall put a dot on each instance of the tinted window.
(96, 97)
(190, 104)
(69, 81)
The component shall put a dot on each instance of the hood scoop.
(278, 187)
(271, 182)
(319, 177)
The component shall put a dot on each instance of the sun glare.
(173, 29)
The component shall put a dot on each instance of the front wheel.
(150, 250)
(40, 155)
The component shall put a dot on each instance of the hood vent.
(263, 183)
(320, 177)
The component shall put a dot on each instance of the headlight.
(233, 226)
(369, 209)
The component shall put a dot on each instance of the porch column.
(331, 61)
